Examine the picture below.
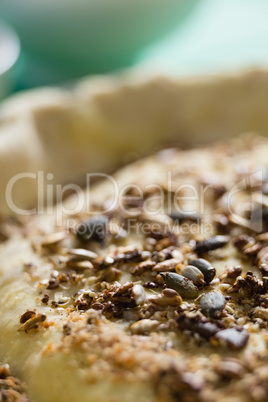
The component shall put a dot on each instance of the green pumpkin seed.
(212, 304)
(182, 285)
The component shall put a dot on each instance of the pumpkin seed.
(212, 304)
(182, 285)
(194, 274)
(93, 229)
(205, 267)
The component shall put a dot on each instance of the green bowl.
(88, 36)
(9, 53)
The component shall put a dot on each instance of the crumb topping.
(156, 301)
(11, 389)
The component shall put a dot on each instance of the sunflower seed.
(80, 265)
(168, 265)
(82, 254)
(210, 244)
(53, 238)
(205, 267)
(32, 322)
(27, 316)
(142, 267)
(194, 274)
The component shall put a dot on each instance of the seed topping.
(31, 322)
(212, 304)
(205, 267)
(94, 228)
(194, 274)
(182, 285)
(211, 244)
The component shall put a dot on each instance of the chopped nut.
(144, 326)
(234, 272)
(53, 283)
(260, 312)
(124, 289)
(79, 265)
(139, 295)
(197, 324)
(166, 300)
(4, 371)
(84, 300)
(233, 337)
(45, 298)
(230, 368)
(143, 267)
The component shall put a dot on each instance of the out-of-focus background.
(101, 123)
(56, 42)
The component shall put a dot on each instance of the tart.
(155, 289)
(96, 124)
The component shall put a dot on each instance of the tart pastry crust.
(111, 313)
(95, 124)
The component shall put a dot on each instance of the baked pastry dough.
(106, 311)
(95, 124)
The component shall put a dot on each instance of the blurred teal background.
(221, 36)
(170, 37)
